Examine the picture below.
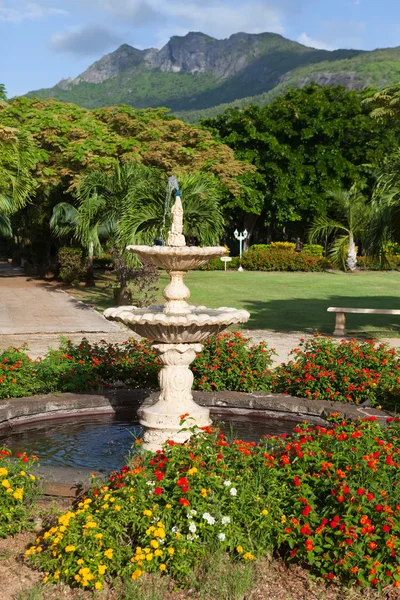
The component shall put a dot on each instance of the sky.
(42, 41)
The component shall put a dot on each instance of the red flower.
(340, 498)
(370, 496)
(309, 545)
(360, 491)
(182, 481)
(379, 507)
(372, 545)
(184, 502)
(307, 510)
(158, 491)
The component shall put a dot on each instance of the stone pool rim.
(70, 482)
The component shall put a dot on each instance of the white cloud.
(84, 41)
(306, 40)
(20, 10)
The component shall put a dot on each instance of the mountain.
(197, 73)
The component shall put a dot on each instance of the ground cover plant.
(321, 369)
(18, 488)
(327, 497)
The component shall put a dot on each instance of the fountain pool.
(102, 443)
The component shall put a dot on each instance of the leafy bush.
(347, 372)
(282, 246)
(282, 260)
(228, 363)
(313, 249)
(105, 261)
(70, 261)
(18, 488)
(392, 261)
(254, 247)
(326, 497)
(85, 366)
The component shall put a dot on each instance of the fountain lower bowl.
(195, 326)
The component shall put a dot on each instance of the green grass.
(289, 302)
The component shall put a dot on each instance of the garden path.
(29, 306)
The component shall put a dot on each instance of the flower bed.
(18, 487)
(280, 259)
(347, 371)
(321, 369)
(327, 497)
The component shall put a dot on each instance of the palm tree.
(385, 104)
(385, 212)
(143, 217)
(349, 227)
(17, 186)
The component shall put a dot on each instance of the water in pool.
(102, 443)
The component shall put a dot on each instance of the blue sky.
(42, 41)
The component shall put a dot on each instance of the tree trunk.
(90, 282)
(351, 258)
(249, 224)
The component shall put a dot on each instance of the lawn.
(288, 302)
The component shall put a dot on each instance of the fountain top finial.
(175, 235)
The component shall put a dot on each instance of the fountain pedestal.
(178, 330)
(161, 420)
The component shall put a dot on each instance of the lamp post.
(240, 236)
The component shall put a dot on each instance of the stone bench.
(340, 325)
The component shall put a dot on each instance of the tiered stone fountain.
(177, 331)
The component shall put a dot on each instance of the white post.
(240, 236)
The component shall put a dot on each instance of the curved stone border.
(20, 411)
(70, 482)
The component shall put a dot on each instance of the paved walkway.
(29, 306)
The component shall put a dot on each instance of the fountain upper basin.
(171, 258)
(196, 325)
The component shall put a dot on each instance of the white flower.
(233, 492)
(150, 483)
(192, 512)
(227, 482)
(161, 541)
(174, 529)
(225, 520)
(209, 518)
(221, 537)
(192, 528)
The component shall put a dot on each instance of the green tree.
(348, 227)
(304, 144)
(17, 186)
(3, 92)
(385, 104)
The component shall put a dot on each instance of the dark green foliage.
(282, 260)
(70, 261)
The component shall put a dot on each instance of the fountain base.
(162, 420)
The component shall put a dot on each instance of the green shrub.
(323, 369)
(392, 261)
(255, 247)
(313, 249)
(70, 261)
(282, 260)
(103, 262)
(327, 498)
(18, 488)
(282, 246)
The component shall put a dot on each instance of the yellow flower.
(170, 551)
(22, 473)
(4, 472)
(168, 506)
(102, 569)
(105, 506)
(158, 552)
(90, 525)
(239, 549)
(265, 512)
(149, 556)
(70, 548)
(18, 494)
(32, 476)
(109, 553)
(160, 533)
(283, 519)
(137, 574)
(9, 490)
(248, 556)
(192, 471)
(203, 492)
(147, 513)
(154, 544)
(98, 585)
(98, 536)
(80, 561)
(163, 567)
(117, 507)
(45, 579)
(5, 483)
